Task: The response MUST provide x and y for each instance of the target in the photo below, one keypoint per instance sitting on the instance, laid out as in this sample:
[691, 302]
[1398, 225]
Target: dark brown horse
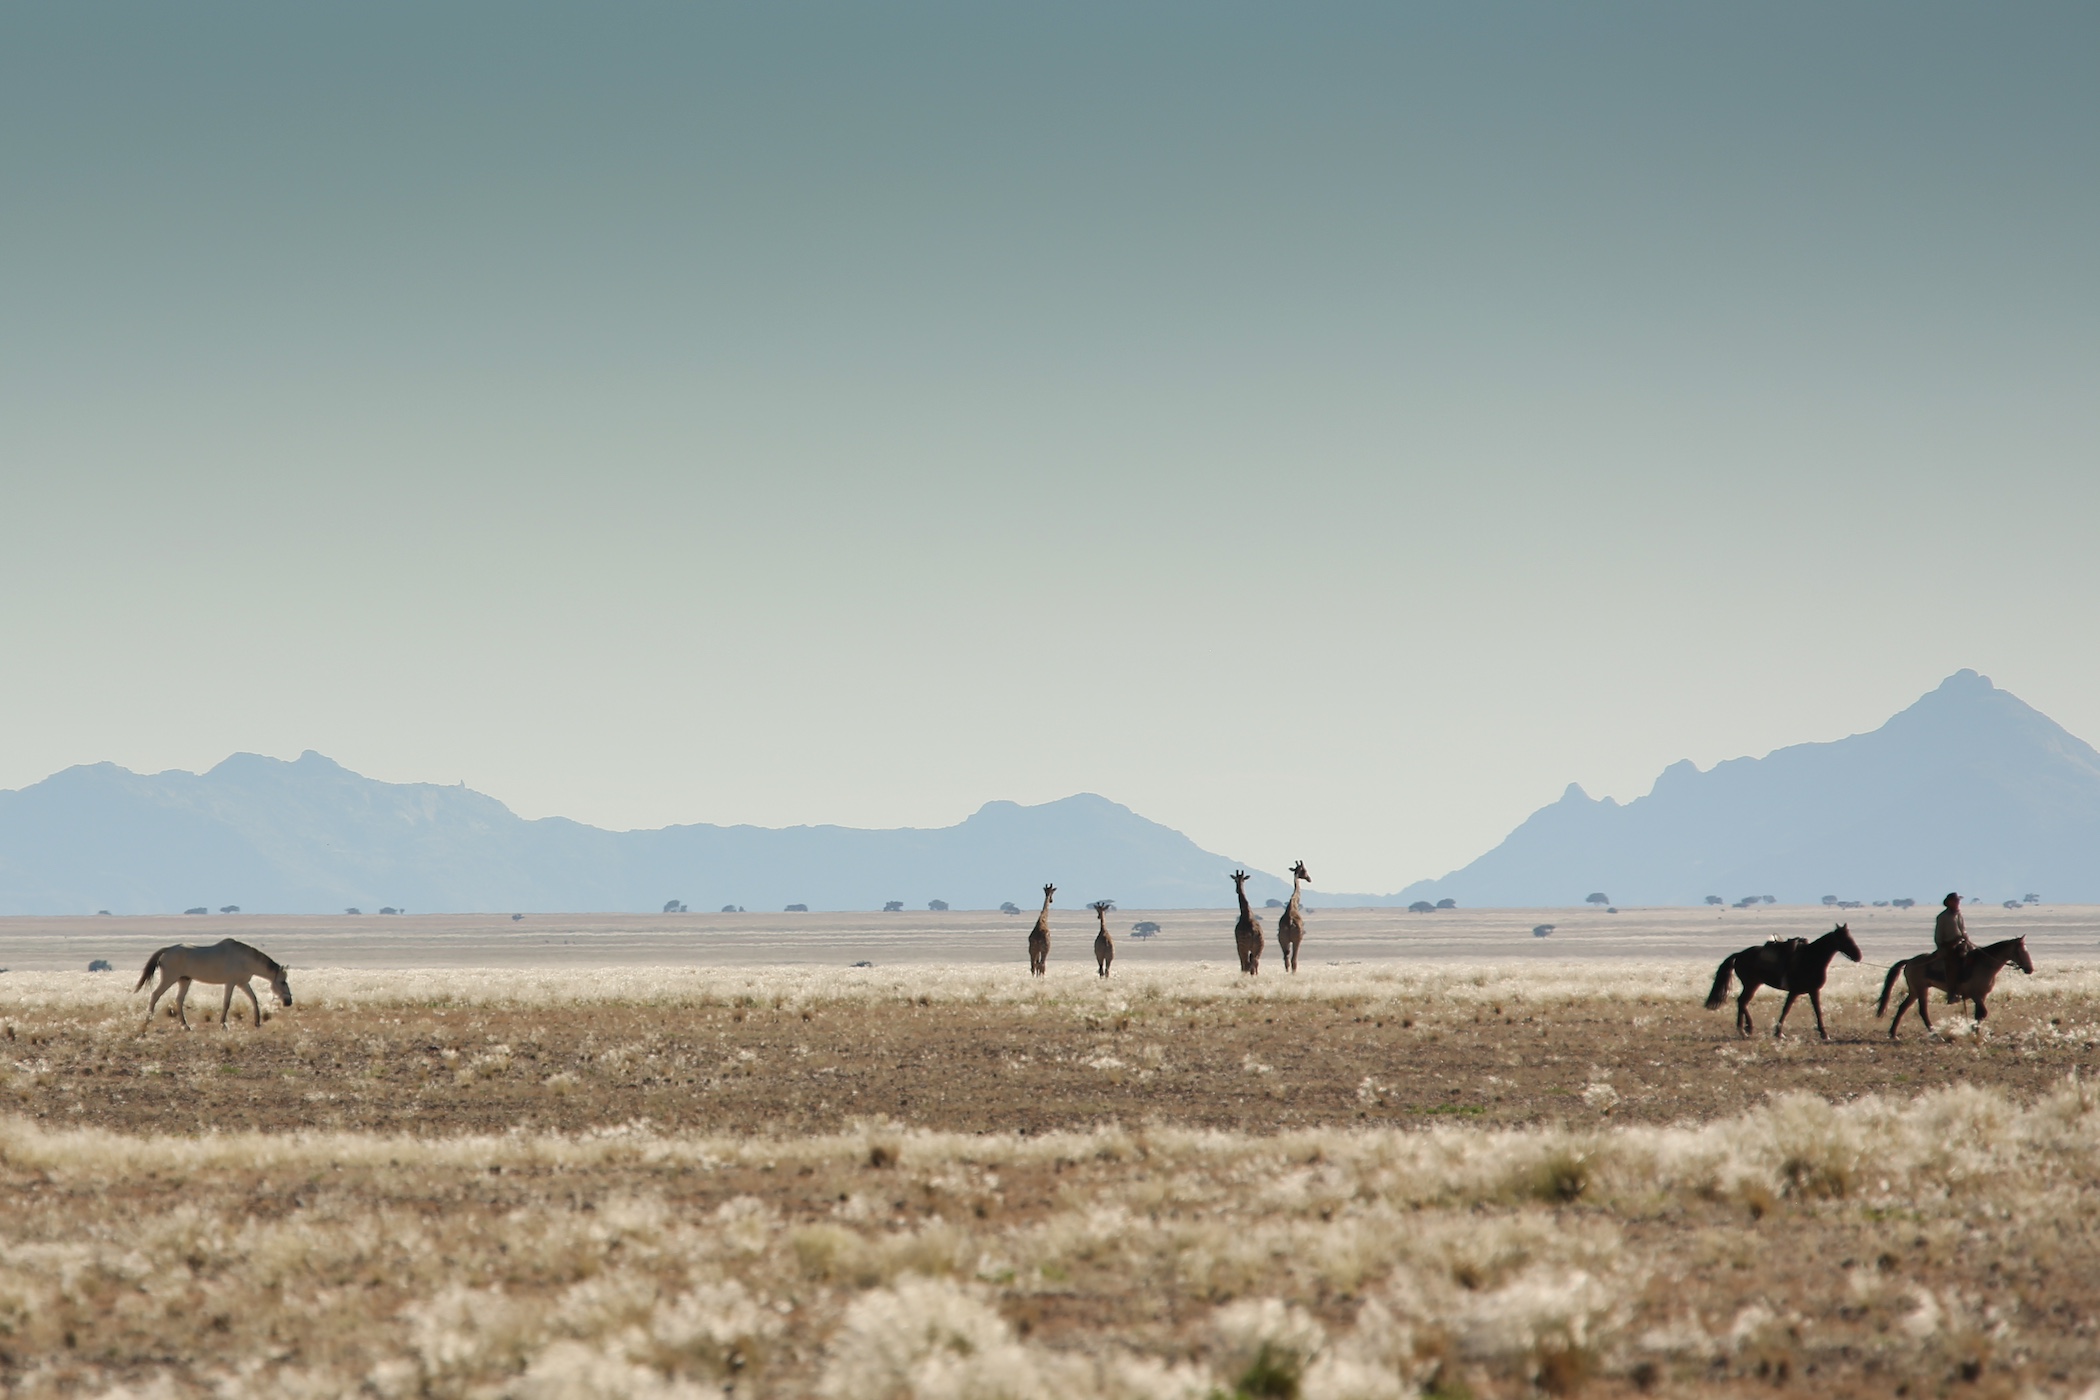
[1928, 970]
[1794, 966]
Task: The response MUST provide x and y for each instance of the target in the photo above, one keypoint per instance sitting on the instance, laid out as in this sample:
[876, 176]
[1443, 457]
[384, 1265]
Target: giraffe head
[1239, 880]
[1048, 892]
[1298, 873]
[1101, 908]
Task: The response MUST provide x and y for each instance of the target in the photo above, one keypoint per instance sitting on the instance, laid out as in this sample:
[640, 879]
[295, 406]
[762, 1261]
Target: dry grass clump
[1873, 1244]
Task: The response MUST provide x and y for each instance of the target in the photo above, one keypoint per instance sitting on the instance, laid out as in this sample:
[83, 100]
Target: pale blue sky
[1329, 430]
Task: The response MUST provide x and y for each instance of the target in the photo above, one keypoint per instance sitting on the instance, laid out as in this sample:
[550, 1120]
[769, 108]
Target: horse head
[1842, 937]
[2019, 955]
[279, 983]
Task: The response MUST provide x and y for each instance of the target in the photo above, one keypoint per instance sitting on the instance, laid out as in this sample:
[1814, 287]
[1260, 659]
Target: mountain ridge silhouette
[310, 836]
[1969, 789]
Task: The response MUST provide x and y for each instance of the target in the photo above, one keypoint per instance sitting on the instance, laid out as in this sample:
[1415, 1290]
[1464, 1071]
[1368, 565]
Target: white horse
[228, 962]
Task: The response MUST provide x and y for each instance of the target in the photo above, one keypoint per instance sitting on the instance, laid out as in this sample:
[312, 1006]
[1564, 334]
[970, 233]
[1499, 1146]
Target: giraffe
[1104, 946]
[1039, 936]
[1290, 924]
[1246, 934]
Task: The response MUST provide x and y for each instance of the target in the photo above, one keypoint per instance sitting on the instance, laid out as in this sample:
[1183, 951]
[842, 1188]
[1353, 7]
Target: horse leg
[1981, 1010]
[158, 992]
[226, 1007]
[253, 1005]
[182, 996]
[1815, 1001]
[1901, 1007]
[1743, 1024]
[1779, 1026]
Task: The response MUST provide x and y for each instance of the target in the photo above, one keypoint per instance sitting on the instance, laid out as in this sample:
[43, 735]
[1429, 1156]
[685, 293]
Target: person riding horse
[1950, 935]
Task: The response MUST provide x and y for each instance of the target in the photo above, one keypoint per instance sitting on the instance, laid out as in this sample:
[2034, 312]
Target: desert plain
[707, 1155]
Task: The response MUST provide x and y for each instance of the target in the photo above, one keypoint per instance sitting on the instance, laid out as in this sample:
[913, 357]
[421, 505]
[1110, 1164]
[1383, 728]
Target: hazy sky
[1329, 430]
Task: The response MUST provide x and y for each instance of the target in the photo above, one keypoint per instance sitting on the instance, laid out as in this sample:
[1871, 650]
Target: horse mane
[276, 967]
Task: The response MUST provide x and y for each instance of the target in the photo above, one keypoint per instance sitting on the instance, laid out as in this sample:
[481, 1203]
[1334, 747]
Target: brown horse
[1795, 966]
[1929, 970]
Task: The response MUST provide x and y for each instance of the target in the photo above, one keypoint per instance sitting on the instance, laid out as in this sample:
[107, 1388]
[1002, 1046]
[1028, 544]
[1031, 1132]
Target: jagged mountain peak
[1967, 784]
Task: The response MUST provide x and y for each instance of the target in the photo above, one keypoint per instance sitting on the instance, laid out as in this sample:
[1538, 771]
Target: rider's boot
[1955, 968]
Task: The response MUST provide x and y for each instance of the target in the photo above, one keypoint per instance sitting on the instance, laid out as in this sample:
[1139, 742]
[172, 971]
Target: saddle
[1789, 950]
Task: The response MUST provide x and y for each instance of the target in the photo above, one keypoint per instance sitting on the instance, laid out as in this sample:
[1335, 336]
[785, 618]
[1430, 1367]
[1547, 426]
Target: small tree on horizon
[1598, 898]
[1715, 899]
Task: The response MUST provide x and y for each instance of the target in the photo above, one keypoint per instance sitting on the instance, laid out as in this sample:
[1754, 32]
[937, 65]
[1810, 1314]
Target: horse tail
[1882, 1007]
[1721, 975]
[152, 966]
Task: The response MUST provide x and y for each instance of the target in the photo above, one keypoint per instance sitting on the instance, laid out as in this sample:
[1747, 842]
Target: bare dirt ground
[1088, 1059]
[1487, 1179]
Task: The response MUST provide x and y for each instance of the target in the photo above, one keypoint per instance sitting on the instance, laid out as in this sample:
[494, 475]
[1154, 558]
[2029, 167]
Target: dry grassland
[1365, 1182]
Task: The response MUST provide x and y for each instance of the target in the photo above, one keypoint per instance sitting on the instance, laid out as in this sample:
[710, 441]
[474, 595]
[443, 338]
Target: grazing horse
[1794, 967]
[228, 962]
[1921, 974]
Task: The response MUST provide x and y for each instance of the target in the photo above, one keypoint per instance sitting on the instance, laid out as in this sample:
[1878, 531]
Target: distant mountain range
[310, 836]
[1969, 789]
